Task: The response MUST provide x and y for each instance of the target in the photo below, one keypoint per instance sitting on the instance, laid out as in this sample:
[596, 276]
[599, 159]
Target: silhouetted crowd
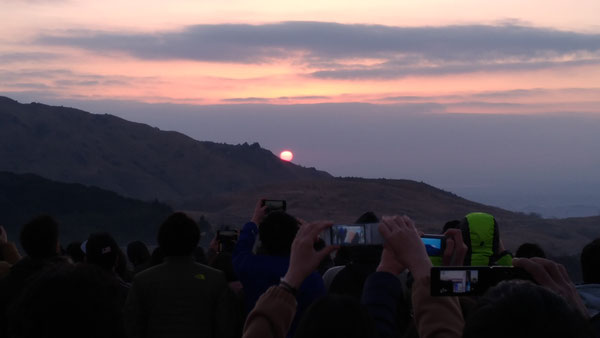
[279, 277]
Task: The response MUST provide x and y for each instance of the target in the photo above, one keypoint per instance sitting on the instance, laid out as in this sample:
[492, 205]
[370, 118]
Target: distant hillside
[80, 210]
[132, 159]
[343, 200]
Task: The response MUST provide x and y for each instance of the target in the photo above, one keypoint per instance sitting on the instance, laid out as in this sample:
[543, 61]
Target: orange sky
[290, 75]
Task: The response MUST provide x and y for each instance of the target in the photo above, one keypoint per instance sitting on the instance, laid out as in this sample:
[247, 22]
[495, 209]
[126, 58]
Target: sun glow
[286, 155]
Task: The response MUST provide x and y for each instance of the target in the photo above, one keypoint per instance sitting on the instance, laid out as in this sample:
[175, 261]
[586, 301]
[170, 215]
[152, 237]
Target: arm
[243, 248]
[274, 311]
[272, 315]
[435, 317]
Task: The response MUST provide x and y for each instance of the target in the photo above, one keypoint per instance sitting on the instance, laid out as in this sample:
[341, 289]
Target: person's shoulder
[208, 270]
[148, 273]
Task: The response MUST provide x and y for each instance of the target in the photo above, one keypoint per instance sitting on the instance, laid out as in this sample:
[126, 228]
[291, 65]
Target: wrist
[293, 279]
[421, 269]
[288, 287]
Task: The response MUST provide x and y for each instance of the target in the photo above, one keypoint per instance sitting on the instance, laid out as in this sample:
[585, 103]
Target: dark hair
[529, 250]
[101, 249]
[74, 251]
[367, 217]
[590, 262]
[336, 316]
[68, 301]
[522, 309]
[178, 235]
[277, 232]
[455, 224]
[137, 253]
[39, 237]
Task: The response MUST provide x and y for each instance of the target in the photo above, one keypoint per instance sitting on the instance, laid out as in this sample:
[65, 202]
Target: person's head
[523, 309]
[74, 251]
[590, 262]
[68, 301]
[367, 217]
[39, 237]
[529, 250]
[336, 316]
[138, 253]
[178, 235]
[454, 224]
[102, 250]
[277, 232]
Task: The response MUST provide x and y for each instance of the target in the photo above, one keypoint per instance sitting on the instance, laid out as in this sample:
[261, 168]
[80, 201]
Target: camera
[227, 239]
[275, 205]
[471, 280]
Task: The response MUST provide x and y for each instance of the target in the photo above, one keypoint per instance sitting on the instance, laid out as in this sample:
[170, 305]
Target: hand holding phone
[275, 205]
[435, 245]
[348, 234]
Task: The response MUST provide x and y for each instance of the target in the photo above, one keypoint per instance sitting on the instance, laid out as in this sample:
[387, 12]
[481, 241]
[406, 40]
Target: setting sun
[286, 155]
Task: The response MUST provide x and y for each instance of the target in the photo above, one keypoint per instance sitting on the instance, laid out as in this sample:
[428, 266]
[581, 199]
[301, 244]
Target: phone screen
[434, 244]
[274, 205]
[471, 280]
[459, 282]
[354, 234]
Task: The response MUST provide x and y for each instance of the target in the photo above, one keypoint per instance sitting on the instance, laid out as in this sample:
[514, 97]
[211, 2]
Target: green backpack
[480, 234]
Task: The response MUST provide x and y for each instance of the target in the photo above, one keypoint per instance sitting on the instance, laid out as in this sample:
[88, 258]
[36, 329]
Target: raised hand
[456, 249]
[260, 212]
[304, 258]
[401, 237]
[553, 276]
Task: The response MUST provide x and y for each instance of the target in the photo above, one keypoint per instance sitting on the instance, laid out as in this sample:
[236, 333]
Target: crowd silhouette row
[278, 277]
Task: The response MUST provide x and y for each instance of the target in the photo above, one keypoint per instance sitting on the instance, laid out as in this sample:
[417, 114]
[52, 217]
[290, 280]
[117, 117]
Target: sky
[277, 71]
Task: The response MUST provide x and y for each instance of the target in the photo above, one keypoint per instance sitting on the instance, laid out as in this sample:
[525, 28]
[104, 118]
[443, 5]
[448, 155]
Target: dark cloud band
[402, 50]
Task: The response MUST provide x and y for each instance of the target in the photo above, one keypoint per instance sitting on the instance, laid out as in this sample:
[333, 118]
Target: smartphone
[227, 239]
[434, 244]
[471, 280]
[348, 234]
[275, 205]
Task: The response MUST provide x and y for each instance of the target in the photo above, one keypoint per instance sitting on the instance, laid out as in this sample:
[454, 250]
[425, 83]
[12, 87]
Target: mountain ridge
[133, 159]
[224, 181]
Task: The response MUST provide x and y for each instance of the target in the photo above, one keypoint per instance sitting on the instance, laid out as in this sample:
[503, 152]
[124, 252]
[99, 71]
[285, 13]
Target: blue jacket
[259, 272]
